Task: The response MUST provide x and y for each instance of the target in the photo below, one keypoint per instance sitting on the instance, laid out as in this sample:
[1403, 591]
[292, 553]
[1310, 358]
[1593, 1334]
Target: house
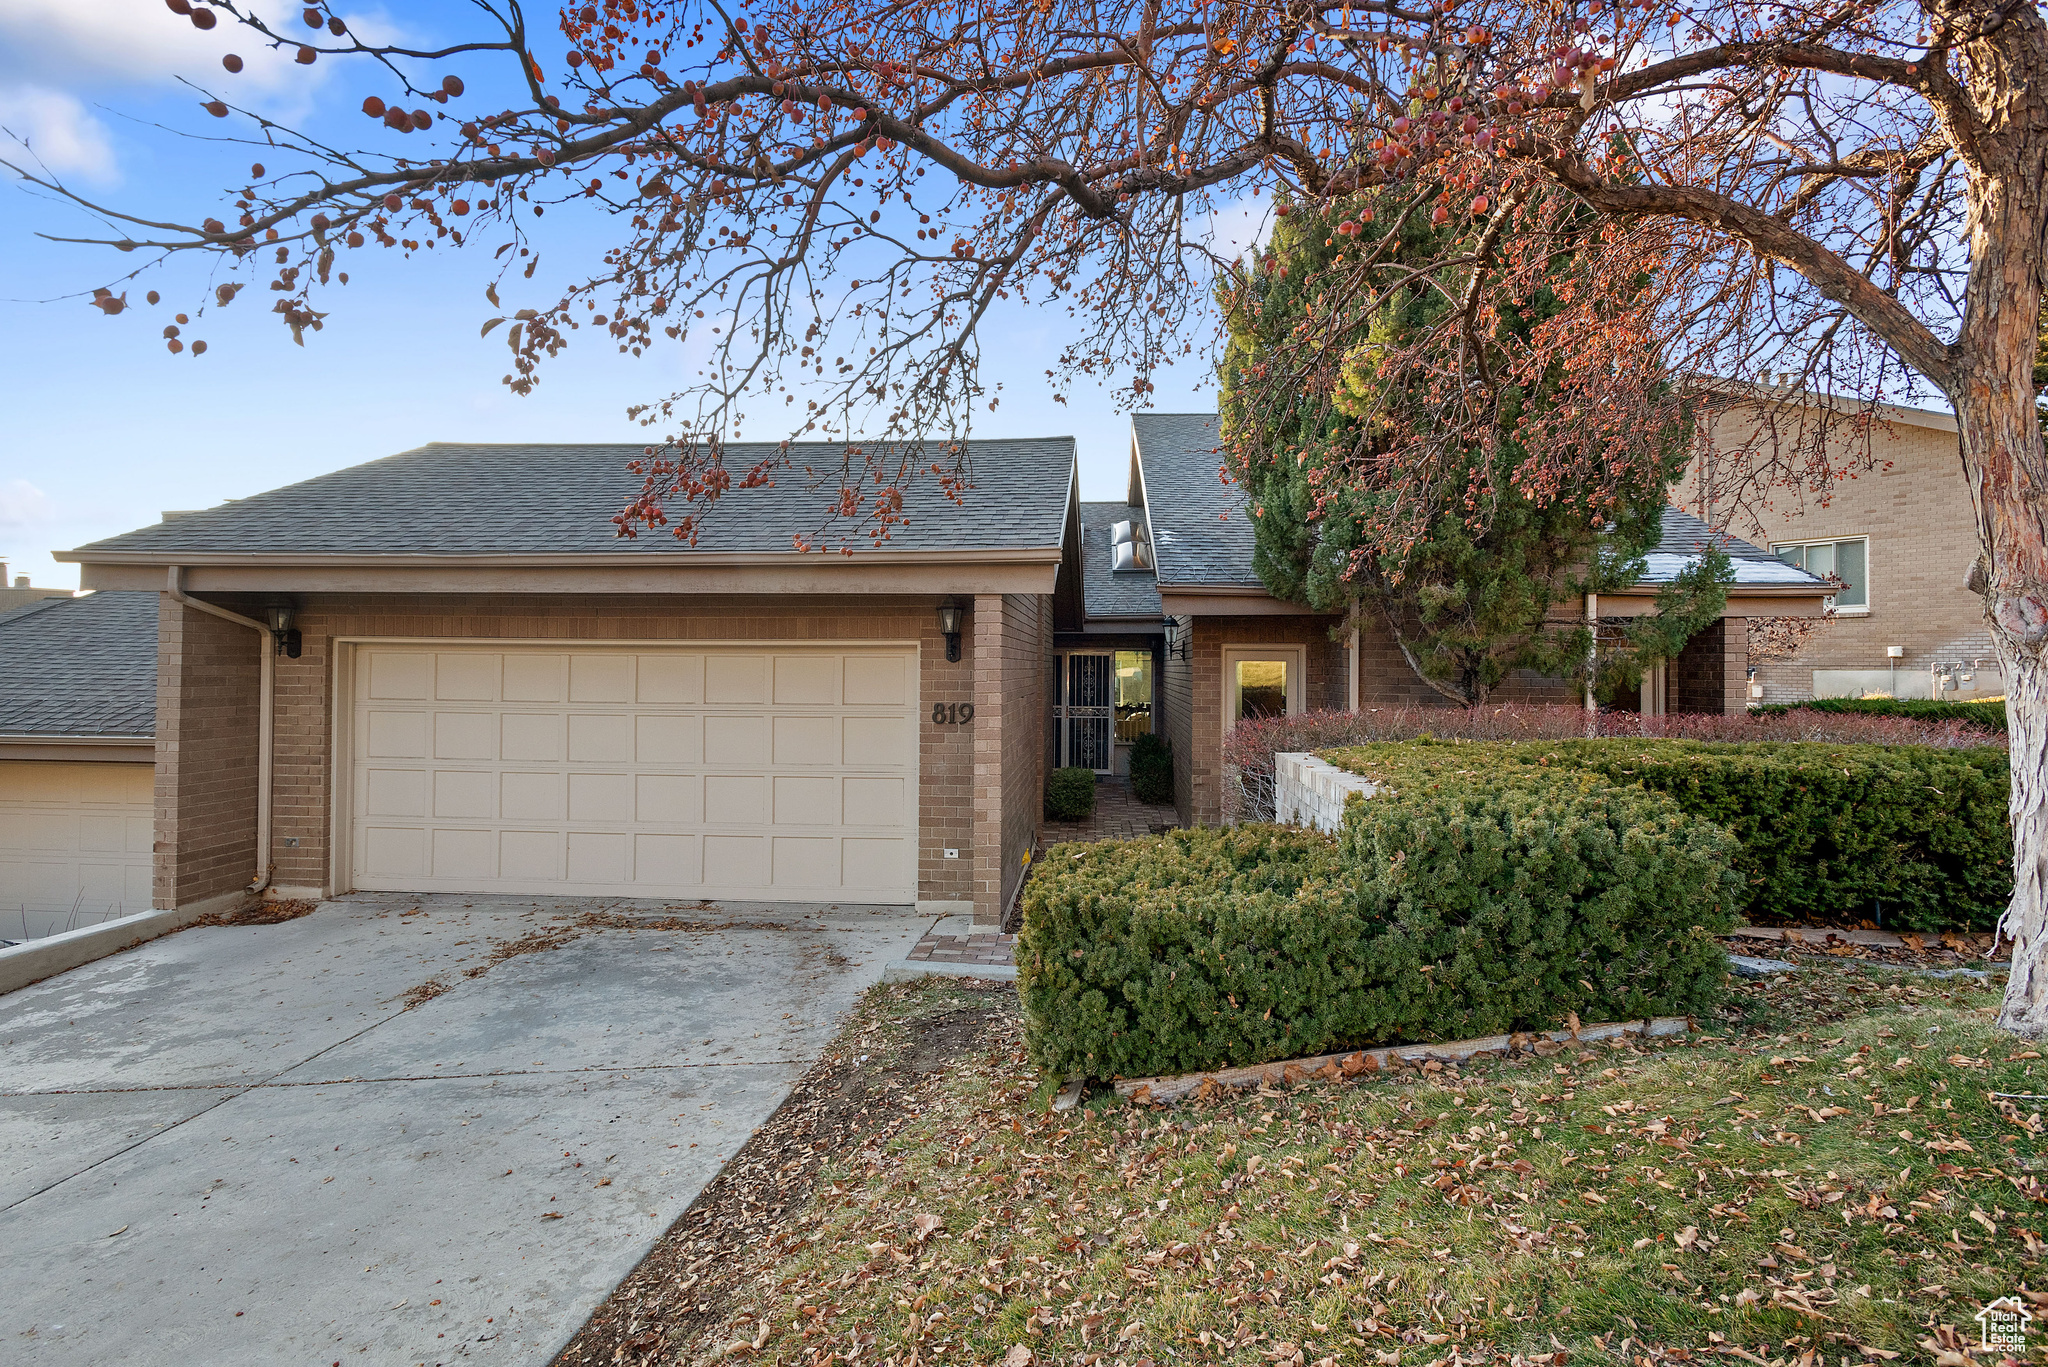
[77, 761]
[1898, 532]
[442, 671]
[1234, 651]
[20, 592]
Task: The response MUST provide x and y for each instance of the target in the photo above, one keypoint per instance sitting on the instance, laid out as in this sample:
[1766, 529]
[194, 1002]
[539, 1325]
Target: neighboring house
[468, 683]
[22, 592]
[1900, 537]
[77, 761]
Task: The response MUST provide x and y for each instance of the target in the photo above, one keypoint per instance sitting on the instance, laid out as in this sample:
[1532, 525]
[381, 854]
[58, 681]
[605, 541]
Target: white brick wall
[1308, 792]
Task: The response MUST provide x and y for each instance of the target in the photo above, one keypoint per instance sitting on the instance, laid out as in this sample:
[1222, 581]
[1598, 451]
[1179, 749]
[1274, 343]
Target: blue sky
[106, 429]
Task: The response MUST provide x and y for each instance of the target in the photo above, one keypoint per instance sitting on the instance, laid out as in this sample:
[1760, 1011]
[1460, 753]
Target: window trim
[1862, 610]
[1296, 656]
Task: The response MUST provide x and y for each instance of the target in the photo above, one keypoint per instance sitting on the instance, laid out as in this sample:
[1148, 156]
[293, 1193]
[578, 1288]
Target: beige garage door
[74, 844]
[760, 772]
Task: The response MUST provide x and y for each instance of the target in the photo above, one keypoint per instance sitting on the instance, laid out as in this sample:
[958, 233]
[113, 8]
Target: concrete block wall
[305, 725]
[207, 681]
[1311, 792]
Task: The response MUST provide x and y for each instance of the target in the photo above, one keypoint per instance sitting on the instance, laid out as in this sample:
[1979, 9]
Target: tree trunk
[2026, 918]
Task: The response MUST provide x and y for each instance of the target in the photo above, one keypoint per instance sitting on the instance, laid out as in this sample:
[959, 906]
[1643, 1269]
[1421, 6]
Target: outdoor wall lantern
[1176, 638]
[949, 622]
[287, 637]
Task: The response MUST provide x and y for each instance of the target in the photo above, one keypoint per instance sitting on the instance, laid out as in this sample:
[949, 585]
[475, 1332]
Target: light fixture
[949, 623]
[286, 636]
[1176, 638]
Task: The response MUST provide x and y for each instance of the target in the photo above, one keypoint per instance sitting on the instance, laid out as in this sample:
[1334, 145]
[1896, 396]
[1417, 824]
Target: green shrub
[1070, 794]
[1986, 714]
[1829, 832]
[1465, 903]
[1151, 769]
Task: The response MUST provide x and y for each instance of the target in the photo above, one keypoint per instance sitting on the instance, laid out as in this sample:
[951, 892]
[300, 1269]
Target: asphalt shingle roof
[1200, 530]
[1204, 535]
[80, 666]
[1683, 537]
[1108, 593]
[449, 498]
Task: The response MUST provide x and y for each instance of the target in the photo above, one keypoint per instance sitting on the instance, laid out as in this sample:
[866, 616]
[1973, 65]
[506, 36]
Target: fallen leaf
[1018, 1356]
[551, 1215]
[928, 1225]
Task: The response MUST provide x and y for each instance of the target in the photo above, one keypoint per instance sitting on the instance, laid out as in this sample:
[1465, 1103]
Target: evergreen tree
[1485, 576]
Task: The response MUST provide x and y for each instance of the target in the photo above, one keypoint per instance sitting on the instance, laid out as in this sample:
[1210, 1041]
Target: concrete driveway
[275, 1144]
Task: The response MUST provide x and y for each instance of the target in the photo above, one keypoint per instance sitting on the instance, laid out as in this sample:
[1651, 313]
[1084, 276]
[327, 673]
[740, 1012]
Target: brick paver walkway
[1117, 816]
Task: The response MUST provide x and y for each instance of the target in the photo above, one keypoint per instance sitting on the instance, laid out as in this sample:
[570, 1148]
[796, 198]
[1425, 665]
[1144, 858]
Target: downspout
[1592, 660]
[266, 687]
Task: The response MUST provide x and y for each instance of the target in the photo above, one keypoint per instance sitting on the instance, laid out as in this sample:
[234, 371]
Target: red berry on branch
[215, 108]
[373, 106]
[232, 63]
[202, 19]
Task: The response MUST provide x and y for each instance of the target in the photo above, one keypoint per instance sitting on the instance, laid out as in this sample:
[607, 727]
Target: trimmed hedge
[1151, 769]
[1828, 832]
[1070, 794]
[1985, 714]
[1465, 903]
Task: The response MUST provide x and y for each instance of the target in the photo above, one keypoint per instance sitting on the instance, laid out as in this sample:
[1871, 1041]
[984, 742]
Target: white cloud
[57, 130]
[22, 505]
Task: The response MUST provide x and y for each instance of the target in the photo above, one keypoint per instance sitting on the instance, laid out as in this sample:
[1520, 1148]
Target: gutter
[182, 559]
[265, 723]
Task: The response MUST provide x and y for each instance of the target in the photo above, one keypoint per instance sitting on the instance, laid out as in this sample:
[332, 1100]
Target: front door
[1085, 709]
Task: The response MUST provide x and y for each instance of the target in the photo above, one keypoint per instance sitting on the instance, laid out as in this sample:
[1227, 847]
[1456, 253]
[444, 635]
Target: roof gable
[1201, 531]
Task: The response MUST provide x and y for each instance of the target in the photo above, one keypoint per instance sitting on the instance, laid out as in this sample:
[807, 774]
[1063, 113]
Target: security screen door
[1086, 708]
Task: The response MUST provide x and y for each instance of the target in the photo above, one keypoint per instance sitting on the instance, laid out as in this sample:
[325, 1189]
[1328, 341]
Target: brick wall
[1027, 645]
[1916, 511]
[304, 774]
[1711, 673]
[206, 755]
[1324, 688]
[1176, 701]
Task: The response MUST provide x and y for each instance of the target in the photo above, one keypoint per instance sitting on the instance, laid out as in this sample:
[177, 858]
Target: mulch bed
[849, 1101]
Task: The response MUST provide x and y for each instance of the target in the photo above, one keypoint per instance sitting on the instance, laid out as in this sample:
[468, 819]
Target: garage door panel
[603, 738]
[668, 740]
[875, 742]
[400, 674]
[806, 800]
[102, 833]
[531, 736]
[600, 678]
[801, 679]
[395, 735]
[462, 795]
[392, 852]
[726, 771]
[601, 798]
[598, 857]
[873, 802]
[533, 678]
[466, 735]
[735, 800]
[666, 861]
[75, 841]
[878, 681]
[668, 799]
[669, 678]
[464, 854]
[806, 740]
[463, 677]
[736, 679]
[530, 856]
[869, 862]
[395, 792]
[141, 840]
[737, 861]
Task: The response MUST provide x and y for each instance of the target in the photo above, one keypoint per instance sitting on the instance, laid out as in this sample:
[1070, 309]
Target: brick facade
[206, 755]
[215, 846]
[1711, 673]
[1012, 641]
[1915, 510]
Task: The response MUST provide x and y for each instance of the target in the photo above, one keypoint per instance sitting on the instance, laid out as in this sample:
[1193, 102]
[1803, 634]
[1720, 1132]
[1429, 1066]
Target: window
[1848, 561]
[1133, 694]
[1262, 681]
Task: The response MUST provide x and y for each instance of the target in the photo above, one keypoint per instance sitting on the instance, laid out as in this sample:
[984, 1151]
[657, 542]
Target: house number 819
[952, 713]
